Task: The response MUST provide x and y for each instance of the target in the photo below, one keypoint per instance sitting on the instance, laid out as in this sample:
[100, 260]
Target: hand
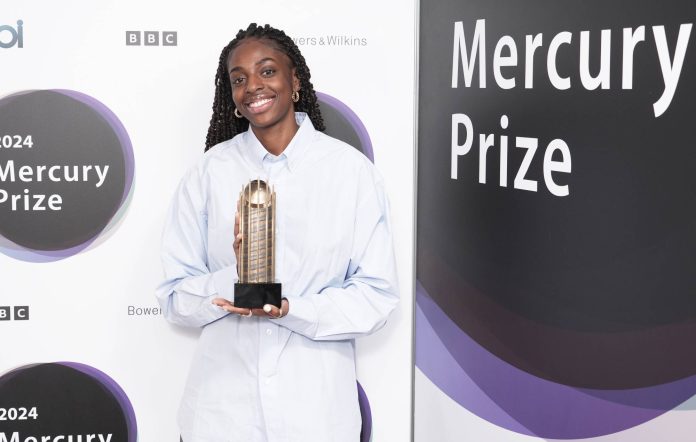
[275, 312]
[237, 237]
[268, 311]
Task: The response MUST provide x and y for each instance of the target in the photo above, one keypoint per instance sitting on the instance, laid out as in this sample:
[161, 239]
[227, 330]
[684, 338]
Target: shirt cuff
[301, 317]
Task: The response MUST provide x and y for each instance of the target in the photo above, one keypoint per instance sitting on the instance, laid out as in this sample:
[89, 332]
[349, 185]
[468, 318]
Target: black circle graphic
[66, 399]
[63, 169]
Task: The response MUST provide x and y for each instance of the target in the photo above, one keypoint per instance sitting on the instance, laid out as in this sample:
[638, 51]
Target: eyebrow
[263, 60]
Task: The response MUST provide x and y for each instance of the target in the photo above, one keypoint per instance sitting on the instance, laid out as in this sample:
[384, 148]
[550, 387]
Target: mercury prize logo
[66, 173]
[64, 401]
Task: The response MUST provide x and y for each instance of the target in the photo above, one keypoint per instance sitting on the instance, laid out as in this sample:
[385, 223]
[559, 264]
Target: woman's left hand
[269, 311]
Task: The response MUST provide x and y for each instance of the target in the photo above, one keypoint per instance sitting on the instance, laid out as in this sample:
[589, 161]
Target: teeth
[259, 103]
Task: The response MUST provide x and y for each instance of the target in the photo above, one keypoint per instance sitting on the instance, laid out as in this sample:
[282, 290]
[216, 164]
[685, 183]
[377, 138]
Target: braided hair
[223, 124]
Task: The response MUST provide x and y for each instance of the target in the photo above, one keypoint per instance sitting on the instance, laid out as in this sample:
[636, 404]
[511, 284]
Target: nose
[254, 83]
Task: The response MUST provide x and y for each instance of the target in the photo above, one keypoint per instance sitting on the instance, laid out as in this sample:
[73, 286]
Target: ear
[296, 86]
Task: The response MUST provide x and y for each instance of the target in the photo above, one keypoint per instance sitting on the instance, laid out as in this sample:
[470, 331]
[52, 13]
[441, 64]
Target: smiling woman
[276, 373]
[224, 123]
[264, 85]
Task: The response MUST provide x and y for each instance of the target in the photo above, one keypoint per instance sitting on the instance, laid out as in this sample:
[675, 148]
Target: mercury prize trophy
[256, 266]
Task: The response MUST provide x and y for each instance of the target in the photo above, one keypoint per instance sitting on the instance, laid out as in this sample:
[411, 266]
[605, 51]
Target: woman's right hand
[237, 237]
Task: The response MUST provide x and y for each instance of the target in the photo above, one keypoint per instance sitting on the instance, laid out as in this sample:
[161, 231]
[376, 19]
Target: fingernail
[267, 308]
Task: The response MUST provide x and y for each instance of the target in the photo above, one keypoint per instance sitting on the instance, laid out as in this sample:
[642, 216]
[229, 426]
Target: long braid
[223, 124]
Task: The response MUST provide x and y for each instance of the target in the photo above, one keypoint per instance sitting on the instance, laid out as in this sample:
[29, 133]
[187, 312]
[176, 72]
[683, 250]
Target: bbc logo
[18, 313]
[151, 38]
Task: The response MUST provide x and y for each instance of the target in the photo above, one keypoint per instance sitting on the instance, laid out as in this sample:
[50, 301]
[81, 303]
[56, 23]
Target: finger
[236, 222]
[221, 302]
[229, 307]
[238, 310]
[272, 311]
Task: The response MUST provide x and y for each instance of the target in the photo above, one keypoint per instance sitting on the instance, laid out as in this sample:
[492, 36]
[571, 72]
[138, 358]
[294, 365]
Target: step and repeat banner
[556, 223]
[103, 108]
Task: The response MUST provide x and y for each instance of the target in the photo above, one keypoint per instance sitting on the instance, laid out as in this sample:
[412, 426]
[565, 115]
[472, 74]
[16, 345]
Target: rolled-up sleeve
[189, 287]
[361, 305]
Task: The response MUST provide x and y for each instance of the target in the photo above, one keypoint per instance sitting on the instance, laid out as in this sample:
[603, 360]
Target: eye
[268, 72]
[236, 81]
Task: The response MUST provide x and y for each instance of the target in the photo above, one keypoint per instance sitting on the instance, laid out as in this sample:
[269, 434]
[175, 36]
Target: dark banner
[556, 209]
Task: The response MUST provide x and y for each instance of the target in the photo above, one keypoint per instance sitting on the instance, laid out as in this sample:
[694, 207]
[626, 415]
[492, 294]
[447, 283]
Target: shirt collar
[293, 151]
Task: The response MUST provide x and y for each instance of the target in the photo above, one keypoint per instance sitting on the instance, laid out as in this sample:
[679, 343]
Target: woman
[275, 374]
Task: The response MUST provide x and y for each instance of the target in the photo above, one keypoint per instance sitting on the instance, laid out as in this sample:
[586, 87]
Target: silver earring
[236, 113]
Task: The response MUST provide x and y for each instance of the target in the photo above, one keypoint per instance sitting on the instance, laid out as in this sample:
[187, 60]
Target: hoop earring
[295, 96]
[236, 113]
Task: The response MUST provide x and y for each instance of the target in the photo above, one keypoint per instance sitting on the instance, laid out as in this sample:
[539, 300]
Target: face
[262, 80]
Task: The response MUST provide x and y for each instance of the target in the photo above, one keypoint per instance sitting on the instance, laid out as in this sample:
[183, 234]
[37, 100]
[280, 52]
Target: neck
[275, 139]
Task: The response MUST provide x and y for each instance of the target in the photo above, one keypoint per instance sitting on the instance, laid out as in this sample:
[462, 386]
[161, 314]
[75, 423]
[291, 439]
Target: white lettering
[25, 174]
[555, 166]
[460, 149]
[55, 202]
[74, 177]
[8, 171]
[556, 80]
[474, 57]
[503, 152]
[51, 173]
[630, 39]
[531, 145]
[502, 61]
[531, 45]
[101, 174]
[478, 48]
[15, 435]
[38, 199]
[671, 70]
[485, 142]
[39, 172]
[603, 77]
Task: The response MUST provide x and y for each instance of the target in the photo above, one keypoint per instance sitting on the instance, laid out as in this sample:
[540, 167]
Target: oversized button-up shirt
[291, 379]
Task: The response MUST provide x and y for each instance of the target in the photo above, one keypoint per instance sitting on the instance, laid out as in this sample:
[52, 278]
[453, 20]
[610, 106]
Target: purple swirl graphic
[514, 399]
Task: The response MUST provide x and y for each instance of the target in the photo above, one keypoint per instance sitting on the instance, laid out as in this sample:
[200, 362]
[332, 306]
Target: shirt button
[269, 332]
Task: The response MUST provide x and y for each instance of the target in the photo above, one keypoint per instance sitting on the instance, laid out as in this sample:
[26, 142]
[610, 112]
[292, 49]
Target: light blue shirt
[291, 379]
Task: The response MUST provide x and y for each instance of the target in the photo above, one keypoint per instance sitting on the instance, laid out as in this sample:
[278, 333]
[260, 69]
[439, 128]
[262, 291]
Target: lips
[259, 104]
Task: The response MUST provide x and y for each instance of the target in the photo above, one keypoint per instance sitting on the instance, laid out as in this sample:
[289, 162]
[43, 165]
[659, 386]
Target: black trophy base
[256, 295]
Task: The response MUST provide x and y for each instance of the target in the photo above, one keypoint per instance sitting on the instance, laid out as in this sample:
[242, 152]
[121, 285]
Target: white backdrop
[163, 95]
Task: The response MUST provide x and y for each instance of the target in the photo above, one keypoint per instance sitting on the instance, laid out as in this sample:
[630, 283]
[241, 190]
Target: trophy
[256, 266]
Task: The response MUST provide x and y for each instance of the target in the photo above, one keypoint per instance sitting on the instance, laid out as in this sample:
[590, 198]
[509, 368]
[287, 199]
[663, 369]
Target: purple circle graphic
[66, 173]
